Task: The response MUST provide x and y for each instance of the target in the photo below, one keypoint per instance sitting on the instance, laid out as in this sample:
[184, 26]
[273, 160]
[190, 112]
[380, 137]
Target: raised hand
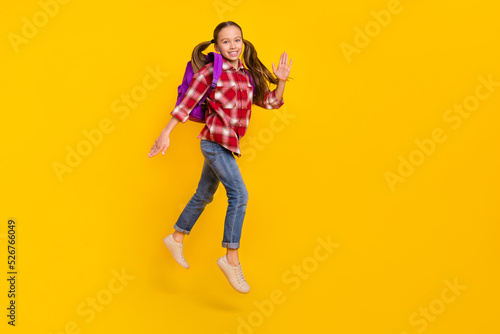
[283, 69]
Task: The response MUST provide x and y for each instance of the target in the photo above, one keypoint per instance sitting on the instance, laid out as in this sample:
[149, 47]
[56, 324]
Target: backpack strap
[216, 58]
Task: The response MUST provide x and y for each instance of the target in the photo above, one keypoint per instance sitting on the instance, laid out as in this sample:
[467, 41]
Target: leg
[232, 256]
[178, 236]
[204, 195]
[225, 167]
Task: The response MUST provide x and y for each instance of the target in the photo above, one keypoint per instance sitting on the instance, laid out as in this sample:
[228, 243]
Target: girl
[227, 118]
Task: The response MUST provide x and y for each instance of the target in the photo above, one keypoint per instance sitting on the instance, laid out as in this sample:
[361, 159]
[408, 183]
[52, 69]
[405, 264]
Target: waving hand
[283, 69]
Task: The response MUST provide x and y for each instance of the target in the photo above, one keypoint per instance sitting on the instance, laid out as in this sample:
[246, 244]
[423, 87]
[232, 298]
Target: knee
[206, 196]
[208, 199]
[243, 194]
[238, 195]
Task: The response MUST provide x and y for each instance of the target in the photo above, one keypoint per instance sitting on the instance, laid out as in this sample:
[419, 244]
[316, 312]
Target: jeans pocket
[208, 150]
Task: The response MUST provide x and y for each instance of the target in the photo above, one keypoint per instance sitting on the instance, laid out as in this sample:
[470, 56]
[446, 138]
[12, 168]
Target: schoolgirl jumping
[226, 121]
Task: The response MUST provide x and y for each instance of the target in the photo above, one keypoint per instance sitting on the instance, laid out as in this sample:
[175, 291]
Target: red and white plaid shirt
[229, 104]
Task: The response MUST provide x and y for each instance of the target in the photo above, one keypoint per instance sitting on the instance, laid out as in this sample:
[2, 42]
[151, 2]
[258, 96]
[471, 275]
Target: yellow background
[320, 173]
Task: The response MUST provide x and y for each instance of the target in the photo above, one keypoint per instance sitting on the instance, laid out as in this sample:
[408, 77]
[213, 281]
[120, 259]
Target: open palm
[283, 69]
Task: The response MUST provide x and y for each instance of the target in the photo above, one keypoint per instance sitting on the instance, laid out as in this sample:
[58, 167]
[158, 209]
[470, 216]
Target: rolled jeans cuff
[231, 244]
[178, 229]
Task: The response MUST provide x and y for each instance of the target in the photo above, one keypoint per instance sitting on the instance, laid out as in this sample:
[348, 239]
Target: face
[230, 43]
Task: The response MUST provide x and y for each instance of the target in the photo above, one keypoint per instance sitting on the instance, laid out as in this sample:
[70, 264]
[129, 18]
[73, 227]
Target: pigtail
[198, 58]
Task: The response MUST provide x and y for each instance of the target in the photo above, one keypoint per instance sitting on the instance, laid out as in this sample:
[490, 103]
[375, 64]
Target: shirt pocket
[225, 94]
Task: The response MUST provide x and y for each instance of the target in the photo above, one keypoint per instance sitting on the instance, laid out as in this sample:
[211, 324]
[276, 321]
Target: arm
[274, 99]
[170, 125]
[195, 92]
[280, 90]
[197, 88]
[270, 100]
[163, 141]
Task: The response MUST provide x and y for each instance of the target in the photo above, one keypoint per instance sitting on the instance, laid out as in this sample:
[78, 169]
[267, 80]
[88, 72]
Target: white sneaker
[176, 248]
[234, 275]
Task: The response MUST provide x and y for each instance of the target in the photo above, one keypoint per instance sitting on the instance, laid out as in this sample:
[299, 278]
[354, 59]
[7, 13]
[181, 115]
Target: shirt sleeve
[270, 101]
[194, 93]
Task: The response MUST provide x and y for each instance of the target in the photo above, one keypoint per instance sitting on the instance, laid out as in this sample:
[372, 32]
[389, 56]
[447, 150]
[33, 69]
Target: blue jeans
[219, 166]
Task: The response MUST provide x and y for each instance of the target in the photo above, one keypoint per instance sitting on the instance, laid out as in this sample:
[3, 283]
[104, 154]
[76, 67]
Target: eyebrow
[228, 38]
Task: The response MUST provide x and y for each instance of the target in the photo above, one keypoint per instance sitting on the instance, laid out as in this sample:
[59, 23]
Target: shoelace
[181, 248]
[239, 274]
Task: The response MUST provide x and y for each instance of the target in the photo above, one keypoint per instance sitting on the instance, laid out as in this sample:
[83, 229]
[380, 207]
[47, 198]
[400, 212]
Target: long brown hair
[260, 74]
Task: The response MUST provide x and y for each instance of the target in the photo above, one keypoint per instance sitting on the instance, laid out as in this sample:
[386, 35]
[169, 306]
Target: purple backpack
[198, 112]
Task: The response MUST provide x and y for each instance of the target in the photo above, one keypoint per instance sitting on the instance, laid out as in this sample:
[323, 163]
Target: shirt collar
[226, 65]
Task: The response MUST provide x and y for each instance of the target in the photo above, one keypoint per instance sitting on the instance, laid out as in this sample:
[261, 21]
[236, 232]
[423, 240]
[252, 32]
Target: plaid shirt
[229, 104]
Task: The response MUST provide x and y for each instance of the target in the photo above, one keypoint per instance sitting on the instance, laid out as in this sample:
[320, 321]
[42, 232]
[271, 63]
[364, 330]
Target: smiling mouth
[233, 53]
